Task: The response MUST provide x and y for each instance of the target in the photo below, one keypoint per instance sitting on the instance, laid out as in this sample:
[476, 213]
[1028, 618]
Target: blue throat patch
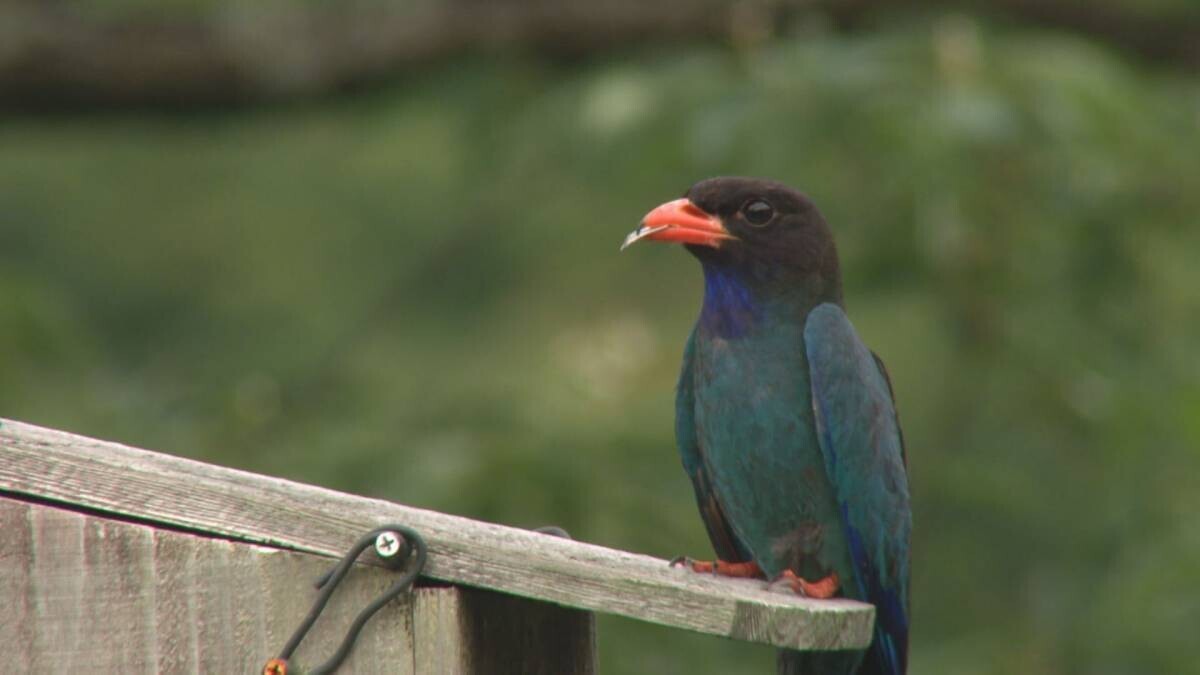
[730, 309]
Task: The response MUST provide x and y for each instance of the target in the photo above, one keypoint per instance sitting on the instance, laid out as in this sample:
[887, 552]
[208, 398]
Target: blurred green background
[410, 288]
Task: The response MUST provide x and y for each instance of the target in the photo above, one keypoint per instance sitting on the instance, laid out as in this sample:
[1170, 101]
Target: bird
[785, 421]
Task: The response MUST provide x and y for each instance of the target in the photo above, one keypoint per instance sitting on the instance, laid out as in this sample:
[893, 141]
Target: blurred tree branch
[221, 51]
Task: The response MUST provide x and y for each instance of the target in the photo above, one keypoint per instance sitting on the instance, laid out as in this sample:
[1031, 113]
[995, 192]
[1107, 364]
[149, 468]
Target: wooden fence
[115, 559]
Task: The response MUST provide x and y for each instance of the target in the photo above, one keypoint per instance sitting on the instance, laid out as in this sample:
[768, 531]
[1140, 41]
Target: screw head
[387, 544]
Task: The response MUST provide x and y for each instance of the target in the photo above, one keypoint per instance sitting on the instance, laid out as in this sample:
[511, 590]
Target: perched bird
[784, 419]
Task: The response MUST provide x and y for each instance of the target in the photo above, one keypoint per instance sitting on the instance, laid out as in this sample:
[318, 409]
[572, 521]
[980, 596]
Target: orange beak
[682, 222]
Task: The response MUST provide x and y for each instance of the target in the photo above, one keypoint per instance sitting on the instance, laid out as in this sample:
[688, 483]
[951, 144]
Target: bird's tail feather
[791, 662]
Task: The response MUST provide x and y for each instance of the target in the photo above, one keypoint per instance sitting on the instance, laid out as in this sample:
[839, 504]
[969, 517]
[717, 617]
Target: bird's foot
[820, 589]
[745, 570]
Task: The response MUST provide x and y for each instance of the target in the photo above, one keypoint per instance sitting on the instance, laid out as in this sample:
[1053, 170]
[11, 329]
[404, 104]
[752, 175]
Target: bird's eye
[758, 212]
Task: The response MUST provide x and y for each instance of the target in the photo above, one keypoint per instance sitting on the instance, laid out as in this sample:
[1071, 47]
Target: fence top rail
[129, 483]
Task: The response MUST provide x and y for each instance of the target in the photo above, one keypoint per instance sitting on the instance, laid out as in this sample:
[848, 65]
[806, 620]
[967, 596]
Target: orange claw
[744, 570]
[820, 589]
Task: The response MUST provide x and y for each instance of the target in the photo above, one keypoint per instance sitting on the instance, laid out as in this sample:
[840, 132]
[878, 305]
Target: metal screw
[387, 544]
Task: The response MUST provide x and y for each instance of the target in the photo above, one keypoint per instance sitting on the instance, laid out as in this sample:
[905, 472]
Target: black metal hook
[394, 551]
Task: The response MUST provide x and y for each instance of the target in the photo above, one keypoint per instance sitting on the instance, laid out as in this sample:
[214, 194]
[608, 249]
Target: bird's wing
[724, 541]
[859, 435]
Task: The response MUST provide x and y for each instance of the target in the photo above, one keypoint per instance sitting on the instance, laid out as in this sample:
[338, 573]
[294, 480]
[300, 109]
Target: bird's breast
[757, 434]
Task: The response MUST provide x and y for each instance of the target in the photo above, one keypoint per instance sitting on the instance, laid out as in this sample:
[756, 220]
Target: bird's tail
[791, 662]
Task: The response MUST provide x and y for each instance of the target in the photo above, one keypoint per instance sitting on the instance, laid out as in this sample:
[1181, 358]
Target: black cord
[413, 547]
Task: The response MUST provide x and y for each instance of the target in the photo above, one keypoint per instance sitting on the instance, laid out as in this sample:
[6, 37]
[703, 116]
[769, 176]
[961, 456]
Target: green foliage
[416, 294]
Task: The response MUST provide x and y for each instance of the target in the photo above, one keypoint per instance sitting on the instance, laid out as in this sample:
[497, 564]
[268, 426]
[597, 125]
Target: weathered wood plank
[18, 639]
[90, 595]
[438, 626]
[564, 640]
[160, 488]
[475, 631]
[84, 594]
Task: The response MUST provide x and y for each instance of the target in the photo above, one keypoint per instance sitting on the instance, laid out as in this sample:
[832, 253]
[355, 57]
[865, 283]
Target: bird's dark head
[759, 230]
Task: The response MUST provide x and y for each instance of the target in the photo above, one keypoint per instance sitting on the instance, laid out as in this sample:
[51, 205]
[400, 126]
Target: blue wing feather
[859, 435]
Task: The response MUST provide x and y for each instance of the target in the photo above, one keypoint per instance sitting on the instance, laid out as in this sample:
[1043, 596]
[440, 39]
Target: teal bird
[784, 419]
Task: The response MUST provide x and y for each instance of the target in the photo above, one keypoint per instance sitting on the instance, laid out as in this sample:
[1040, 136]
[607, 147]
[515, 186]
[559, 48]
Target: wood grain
[89, 595]
[476, 631]
[165, 490]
